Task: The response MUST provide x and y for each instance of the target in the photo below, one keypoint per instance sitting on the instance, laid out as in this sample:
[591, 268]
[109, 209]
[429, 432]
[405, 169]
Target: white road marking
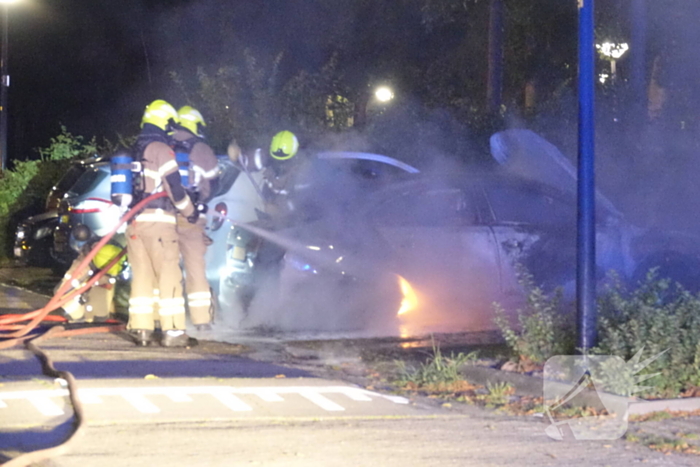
[88, 397]
[269, 396]
[179, 397]
[45, 405]
[321, 401]
[357, 395]
[227, 395]
[141, 403]
[232, 402]
[396, 399]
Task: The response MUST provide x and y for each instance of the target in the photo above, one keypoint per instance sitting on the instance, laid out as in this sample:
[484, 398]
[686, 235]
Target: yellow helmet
[190, 119]
[160, 114]
[284, 145]
[106, 254]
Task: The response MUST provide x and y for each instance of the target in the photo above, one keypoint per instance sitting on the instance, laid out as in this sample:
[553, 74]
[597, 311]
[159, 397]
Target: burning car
[433, 252]
[377, 247]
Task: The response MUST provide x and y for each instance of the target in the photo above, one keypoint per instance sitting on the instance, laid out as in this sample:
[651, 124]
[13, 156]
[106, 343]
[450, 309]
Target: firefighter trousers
[193, 243]
[156, 277]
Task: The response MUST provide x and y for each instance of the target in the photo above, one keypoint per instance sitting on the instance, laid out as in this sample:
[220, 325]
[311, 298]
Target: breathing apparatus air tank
[122, 178]
[183, 164]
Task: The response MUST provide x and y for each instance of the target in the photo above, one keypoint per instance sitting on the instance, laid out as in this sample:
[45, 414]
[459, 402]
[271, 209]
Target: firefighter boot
[177, 338]
[141, 337]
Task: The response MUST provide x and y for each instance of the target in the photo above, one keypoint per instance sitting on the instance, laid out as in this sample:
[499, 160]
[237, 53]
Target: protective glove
[198, 209]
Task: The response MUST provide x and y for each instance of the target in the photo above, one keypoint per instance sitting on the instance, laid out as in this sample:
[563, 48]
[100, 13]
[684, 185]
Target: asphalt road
[431, 440]
[224, 404]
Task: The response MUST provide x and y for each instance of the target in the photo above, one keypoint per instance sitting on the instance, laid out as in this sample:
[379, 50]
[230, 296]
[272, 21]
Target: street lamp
[384, 94]
[4, 84]
[613, 52]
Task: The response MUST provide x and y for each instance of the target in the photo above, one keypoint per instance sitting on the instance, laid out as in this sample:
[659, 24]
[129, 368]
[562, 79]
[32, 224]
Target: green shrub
[658, 317]
[438, 369]
[24, 188]
[545, 325]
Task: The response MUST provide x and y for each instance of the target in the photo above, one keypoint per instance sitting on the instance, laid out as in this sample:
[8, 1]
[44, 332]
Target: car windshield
[69, 179]
[87, 181]
[426, 207]
[526, 205]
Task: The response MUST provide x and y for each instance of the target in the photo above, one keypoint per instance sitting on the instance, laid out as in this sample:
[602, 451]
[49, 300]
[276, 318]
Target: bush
[658, 317]
[24, 188]
[545, 325]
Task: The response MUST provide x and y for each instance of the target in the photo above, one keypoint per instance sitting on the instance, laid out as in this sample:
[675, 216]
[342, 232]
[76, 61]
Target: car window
[87, 181]
[527, 205]
[438, 207]
[69, 179]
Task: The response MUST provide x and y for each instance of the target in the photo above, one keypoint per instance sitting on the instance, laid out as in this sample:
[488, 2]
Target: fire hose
[12, 333]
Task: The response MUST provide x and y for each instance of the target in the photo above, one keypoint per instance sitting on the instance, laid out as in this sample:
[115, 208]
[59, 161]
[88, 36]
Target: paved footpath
[227, 404]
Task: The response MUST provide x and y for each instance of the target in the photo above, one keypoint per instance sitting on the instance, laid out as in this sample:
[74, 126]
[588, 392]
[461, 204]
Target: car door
[535, 229]
[439, 245]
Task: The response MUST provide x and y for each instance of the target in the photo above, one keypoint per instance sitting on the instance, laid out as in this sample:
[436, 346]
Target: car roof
[479, 178]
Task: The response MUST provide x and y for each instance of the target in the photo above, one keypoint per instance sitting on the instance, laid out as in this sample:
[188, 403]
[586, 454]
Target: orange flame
[410, 299]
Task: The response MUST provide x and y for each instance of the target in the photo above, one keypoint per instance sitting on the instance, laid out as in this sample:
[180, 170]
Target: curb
[526, 385]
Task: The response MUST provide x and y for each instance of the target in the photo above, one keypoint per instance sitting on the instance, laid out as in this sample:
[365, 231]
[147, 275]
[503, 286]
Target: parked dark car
[85, 212]
[34, 236]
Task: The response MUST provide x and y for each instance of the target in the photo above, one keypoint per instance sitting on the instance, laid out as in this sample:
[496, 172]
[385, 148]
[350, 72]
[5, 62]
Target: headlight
[219, 216]
[20, 233]
[42, 232]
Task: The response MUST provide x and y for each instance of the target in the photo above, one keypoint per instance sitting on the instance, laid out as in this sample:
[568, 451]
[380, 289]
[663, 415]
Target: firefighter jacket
[202, 168]
[160, 173]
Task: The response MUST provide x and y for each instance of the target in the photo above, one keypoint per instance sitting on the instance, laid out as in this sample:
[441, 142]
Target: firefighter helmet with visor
[284, 145]
[160, 114]
[190, 119]
[105, 255]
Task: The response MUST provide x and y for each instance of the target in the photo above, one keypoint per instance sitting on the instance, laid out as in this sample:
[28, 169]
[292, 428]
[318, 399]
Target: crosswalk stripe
[140, 403]
[357, 395]
[322, 401]
[45, 405]
[179, 397]
[232, 402]
[89, 397]
[231, 396]
[269, 396]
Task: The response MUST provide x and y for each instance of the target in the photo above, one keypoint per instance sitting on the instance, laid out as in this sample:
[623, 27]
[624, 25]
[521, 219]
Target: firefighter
[97, 303]
[152, 237]
[199, 173]
[279, 175]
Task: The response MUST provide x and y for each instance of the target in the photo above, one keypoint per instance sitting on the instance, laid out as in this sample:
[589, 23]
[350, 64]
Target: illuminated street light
[4, 84]
[613, 52]
[384, 94]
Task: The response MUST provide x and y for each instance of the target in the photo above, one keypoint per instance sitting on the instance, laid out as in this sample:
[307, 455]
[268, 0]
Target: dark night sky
[84, 64]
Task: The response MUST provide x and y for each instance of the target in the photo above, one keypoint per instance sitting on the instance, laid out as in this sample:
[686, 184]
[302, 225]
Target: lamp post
[613, 52]
[384, 94]
[585, 235]
[4, 83]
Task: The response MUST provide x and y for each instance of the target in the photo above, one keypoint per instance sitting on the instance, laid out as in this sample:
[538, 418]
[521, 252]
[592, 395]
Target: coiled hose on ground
[13, 333]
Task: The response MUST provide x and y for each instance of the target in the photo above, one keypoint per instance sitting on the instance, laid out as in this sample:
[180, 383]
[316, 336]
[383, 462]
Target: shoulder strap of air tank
[186, 145]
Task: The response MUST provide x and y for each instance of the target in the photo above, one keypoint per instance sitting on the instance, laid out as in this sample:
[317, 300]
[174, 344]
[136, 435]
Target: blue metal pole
[4, 84]
[586, 267]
